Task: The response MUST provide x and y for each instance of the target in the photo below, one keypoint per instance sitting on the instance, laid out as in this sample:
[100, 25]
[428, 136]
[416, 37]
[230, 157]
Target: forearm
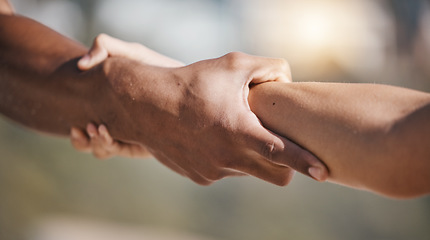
[40, 85]
[370, 136]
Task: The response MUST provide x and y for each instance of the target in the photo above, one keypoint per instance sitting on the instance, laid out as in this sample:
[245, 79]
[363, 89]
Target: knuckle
[269, 150]
[199, 179]
[213, 175]
[283, 64]
[235, 60]
[100, 38]
[285, 178]
[285, 154]
[284, 67]
[101, 41]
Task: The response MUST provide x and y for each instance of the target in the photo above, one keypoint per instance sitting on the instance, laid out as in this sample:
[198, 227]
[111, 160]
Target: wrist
[145, 98]
[110, 98]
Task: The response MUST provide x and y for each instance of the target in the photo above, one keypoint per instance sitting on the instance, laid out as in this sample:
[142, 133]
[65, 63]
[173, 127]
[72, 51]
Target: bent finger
[79, 140]
[269, 69]
[260, 69]
[97, 54]
[259, 167]
[120, 148]
[99, 147]
[282, 151]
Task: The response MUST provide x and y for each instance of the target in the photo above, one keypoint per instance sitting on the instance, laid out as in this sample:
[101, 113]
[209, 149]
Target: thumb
[96, 55]
[79, 140]
[284, 152]
[105, 46]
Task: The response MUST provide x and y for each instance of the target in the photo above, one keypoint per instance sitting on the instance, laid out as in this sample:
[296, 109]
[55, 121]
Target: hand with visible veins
[215, 110]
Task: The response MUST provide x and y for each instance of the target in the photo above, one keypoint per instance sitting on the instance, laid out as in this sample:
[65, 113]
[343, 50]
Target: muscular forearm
[370, 136]
[40, 85]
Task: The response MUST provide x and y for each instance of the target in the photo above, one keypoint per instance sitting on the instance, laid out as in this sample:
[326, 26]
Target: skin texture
[194, 119]
[372, 137]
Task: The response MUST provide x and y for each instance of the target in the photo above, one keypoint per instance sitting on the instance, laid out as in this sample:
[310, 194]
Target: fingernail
[91, 130]
[74, 133]
[84, 60]
[102, 129]
[103, 132]
[92, 133]
[316, 173]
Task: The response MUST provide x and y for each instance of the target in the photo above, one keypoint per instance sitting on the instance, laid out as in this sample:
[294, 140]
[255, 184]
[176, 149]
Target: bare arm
[40, 87]
[372, 137]
[39, 83]
[172, 111]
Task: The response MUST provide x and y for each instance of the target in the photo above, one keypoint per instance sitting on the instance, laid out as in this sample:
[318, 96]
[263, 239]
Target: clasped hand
[195, 119]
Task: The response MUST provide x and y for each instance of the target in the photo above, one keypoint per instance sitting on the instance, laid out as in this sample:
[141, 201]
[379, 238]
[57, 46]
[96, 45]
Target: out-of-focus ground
[48, 191]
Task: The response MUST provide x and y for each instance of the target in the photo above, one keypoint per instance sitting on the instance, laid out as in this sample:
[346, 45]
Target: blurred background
[50, 192]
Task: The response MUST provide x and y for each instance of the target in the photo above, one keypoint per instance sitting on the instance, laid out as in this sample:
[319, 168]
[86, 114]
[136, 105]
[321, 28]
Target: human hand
[101, 144]
[105, 46]
[215, 116]
[97, 139]
[216, 112]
